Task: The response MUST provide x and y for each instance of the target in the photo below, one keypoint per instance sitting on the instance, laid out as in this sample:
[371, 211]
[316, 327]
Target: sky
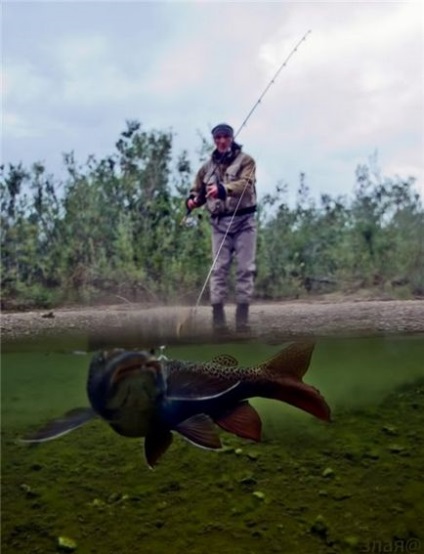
[75, 72]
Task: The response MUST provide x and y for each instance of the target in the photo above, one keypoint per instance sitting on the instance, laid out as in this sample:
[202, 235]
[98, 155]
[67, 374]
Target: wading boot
[218, 320]
[242, 316]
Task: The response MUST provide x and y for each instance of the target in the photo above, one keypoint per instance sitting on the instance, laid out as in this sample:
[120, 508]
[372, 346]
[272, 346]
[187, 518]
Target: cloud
[355, 84]
[23, 82]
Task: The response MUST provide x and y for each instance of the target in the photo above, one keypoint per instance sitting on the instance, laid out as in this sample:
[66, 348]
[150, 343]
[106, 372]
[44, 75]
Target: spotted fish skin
[197, 395]
[278, 378]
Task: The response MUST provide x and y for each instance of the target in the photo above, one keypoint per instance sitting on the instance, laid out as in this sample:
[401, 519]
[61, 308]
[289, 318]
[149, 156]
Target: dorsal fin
[292, 362]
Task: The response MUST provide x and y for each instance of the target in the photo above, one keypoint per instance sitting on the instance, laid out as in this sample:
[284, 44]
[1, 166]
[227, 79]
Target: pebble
[29, 492]
[253, 456]
[328, 472]
[396, 448]
[248, 480]
[226, 450]
[389, 430]
[66, 544]
[351, 541]
[341, 495]
[259, 495]
[319, 526]
[372, 453]
[97, 503]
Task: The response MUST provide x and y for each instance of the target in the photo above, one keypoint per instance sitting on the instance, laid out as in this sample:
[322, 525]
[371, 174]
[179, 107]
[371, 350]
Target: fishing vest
[242, 167]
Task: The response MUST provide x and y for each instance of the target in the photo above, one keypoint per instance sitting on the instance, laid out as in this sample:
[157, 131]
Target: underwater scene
[351, 484]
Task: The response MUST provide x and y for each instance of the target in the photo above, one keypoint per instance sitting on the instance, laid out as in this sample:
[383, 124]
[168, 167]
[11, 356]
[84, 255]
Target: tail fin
[282, 380]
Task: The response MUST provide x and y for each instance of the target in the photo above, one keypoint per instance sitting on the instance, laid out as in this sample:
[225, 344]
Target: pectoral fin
[200, 430]
[156, 444]
[61, 426]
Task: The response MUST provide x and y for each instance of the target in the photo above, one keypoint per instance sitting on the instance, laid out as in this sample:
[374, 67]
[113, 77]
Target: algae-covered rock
[117, 498]
[65, 544]
[396, 448]
[238, 451]
[328, 473]
[97, 503]
[227, 450]
[372, 453]
[248, 480]
[259, 495]
[389, 430]
[319, 526]
[252, 455]
[29, 492]
[351, 541]
[159, 523]
[341, 495]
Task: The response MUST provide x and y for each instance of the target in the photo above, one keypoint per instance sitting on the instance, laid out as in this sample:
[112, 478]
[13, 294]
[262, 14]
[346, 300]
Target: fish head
[124, 388]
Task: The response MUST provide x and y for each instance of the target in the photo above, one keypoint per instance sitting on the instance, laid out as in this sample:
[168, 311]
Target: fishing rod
[256, 104]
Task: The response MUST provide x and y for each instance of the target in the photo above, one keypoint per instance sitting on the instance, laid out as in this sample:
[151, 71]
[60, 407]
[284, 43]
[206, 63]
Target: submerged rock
[66, 544]
[227, 450]
[328, 472]
[252, 455]
[319, 526]
[97, 503]
[396, 448]
[259, 495]
[389, 429]
[351, 541]
[372, 453]
[341, 495]
[29, 492]
[248, 480]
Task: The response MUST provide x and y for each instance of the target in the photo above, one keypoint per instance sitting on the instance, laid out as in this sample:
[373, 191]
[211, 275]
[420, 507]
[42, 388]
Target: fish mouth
[132, 365]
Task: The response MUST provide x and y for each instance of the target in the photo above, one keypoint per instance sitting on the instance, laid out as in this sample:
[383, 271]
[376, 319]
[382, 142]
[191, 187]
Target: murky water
[355, 484]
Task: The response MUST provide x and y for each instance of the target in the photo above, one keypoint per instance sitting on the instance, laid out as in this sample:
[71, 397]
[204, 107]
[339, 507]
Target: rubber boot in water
[218, 319]
[242, 317]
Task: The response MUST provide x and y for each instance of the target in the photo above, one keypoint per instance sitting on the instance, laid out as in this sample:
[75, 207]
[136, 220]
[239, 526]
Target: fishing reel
[191, 221]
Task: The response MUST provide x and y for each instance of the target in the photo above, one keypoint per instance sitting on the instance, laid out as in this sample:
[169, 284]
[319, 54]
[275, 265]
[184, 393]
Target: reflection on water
[308, 487]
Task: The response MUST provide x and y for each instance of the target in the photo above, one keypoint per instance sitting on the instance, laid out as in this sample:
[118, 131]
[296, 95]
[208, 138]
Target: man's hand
[211, 191]
[191, 203]
[216, 191]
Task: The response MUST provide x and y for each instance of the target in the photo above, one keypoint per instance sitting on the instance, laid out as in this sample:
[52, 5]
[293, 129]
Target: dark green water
[350, 486]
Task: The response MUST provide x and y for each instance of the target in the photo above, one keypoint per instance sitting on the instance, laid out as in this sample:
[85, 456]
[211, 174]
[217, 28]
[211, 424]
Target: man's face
[223, 142]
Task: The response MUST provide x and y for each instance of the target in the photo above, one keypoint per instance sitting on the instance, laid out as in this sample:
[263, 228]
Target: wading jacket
[236, 172]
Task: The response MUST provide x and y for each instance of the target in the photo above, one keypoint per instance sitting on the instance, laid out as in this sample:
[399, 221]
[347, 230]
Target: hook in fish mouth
[132, 364]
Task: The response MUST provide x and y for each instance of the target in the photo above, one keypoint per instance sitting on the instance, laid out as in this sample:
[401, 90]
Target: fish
[140, 395]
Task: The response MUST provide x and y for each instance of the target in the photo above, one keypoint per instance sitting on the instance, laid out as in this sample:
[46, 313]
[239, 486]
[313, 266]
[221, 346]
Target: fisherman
[226, 184]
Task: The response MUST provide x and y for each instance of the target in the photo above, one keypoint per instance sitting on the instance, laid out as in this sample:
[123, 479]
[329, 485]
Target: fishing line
[249, 115]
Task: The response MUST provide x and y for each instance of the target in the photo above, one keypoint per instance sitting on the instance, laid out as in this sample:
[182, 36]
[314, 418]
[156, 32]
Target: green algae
[94, 487]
